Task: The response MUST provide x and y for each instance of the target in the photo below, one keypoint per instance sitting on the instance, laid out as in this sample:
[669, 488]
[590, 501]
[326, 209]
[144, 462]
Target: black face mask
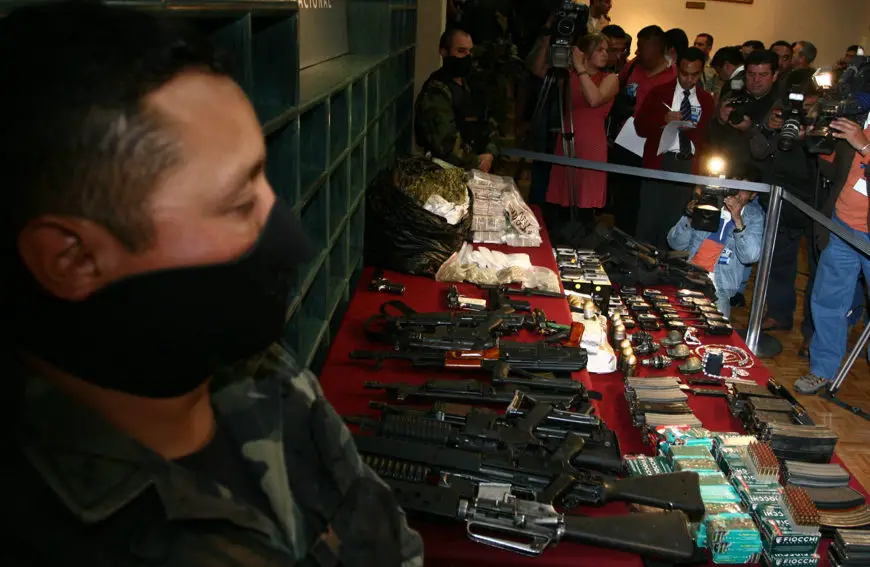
[457, 67]
[162, 334]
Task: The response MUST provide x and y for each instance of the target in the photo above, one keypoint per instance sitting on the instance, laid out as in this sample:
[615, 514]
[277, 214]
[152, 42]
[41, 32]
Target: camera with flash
[708, 210]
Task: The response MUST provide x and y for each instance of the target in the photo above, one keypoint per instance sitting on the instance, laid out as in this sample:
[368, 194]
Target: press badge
[861, 186]
[696, 114]
[725, 258]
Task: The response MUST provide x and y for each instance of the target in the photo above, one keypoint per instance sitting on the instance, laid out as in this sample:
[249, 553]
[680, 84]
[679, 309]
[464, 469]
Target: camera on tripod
[569, 23]
[708, 210]
[850, 98]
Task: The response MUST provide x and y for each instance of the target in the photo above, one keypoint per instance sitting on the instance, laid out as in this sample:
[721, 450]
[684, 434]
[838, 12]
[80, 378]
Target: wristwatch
[739, 230]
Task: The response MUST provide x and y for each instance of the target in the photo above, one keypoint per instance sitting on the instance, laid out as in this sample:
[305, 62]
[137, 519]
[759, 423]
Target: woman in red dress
[592, 94]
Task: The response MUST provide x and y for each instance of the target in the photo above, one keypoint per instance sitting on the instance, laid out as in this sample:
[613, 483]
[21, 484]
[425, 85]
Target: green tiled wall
[329, 130]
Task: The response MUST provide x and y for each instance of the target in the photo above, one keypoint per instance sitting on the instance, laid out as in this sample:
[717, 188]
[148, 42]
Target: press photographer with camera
[730, 71]
[840, 265]
[733, 243]
[451, 121]
[780, 157]
[739, 111]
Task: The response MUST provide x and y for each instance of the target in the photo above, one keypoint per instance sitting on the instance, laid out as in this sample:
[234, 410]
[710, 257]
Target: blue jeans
[747, 272]
[834, 290]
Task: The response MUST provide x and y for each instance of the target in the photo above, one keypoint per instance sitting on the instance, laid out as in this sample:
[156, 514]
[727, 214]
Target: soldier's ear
[443, 52]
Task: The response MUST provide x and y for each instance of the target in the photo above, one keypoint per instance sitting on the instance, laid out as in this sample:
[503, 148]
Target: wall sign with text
[322, 30]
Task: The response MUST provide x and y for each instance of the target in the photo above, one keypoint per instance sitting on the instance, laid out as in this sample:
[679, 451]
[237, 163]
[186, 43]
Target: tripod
[830, 393]
[559, 78]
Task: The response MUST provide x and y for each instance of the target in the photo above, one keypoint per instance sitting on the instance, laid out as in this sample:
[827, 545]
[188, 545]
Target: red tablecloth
[447, 544]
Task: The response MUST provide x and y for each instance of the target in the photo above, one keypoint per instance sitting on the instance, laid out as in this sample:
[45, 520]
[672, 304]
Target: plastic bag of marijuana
[401, 234]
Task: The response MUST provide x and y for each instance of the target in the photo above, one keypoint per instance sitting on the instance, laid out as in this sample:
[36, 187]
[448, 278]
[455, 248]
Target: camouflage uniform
[451, 124]
[82, 493]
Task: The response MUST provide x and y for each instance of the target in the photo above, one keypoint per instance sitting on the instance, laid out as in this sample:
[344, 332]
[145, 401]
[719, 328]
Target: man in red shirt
[840, 265]
[648, 70]
[650, 67]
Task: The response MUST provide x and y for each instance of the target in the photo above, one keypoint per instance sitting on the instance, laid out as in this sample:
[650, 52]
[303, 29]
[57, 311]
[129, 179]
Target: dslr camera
[569, 23]
[795, 116]
[741, 105]
[849, 98]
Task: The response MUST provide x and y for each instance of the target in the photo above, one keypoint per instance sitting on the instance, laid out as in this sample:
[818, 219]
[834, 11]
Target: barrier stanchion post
[760, 343]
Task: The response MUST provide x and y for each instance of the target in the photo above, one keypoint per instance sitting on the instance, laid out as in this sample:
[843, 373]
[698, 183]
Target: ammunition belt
[856, 518]
[816, 475]
[842, 498]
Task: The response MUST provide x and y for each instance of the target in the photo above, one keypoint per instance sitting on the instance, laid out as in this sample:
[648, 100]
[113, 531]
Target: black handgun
[381, 284]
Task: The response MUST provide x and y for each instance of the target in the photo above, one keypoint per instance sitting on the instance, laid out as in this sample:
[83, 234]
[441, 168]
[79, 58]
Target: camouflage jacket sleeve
[436, 124]
[411, 543]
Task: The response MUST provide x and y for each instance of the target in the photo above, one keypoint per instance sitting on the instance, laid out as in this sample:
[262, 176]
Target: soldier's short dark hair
[709, 38]
[780, 43]
[855, 48]
[78, 139]
[446, 41]
[754, 44]
[763, 57]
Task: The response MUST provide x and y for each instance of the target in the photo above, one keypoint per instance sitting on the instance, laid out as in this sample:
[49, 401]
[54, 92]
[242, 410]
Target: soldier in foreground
[450, 121]
[150, 260]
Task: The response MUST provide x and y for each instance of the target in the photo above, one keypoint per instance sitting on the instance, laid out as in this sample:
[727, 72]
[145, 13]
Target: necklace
[733, 359]
[691, 337]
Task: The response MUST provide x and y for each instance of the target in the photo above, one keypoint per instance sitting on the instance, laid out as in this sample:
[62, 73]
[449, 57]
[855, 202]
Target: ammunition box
[790, 560]
[780, 536]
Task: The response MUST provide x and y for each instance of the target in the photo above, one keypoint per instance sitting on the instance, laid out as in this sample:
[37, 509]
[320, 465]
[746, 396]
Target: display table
[447, 544]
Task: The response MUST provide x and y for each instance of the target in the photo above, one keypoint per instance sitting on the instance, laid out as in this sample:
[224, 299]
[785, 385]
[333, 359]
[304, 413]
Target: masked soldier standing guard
[450, 121]
[149, 261]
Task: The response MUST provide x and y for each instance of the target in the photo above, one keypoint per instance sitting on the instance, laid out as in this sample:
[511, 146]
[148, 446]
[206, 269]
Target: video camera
[569, 23]
[849, 98]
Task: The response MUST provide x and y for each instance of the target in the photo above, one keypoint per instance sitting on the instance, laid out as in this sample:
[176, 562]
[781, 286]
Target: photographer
[840, 265]
[780, 158]
[738, 112]
[723, 253]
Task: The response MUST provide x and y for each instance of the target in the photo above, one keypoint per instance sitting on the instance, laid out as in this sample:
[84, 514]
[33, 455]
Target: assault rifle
[541, 356]
[484, 431]
[474, 392]
[496, 515]
[553, 479]
[524, 412]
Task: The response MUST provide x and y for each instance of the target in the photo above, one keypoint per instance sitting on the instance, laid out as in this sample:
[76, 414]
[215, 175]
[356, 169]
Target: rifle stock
[674, 491]
[660, 535]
